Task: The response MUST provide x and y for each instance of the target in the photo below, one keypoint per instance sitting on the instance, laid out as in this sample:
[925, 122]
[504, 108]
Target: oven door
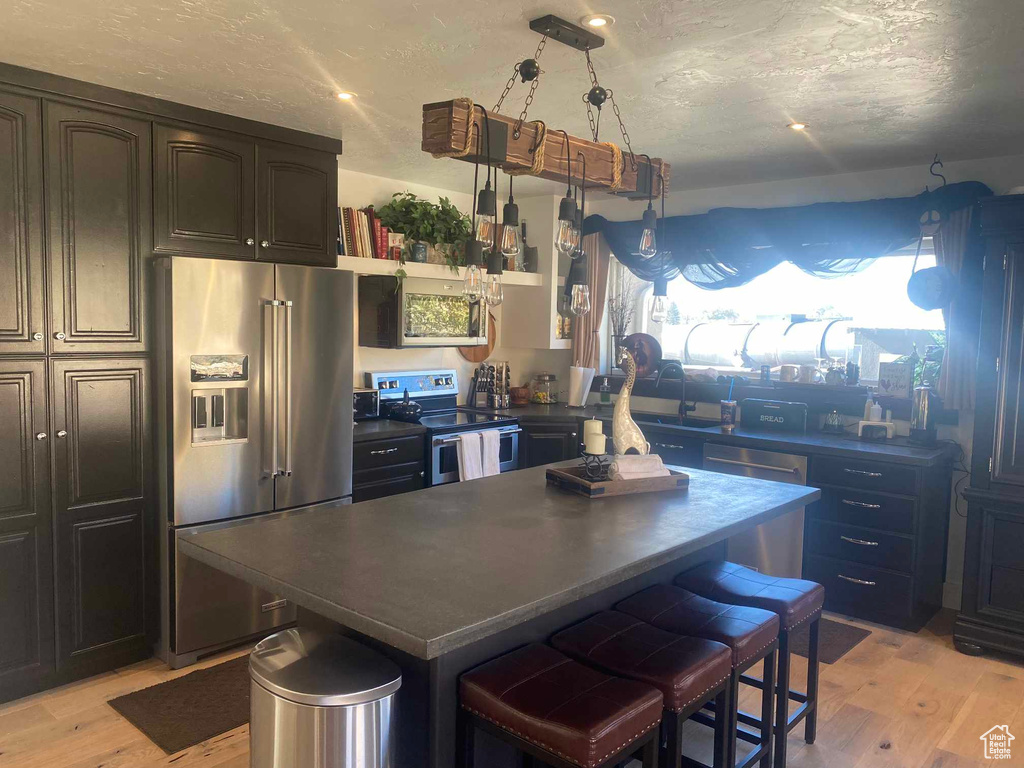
[444, 456]
[436, 314]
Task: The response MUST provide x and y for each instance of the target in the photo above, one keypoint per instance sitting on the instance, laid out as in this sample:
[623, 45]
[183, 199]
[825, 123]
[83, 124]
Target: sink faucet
[683, 407]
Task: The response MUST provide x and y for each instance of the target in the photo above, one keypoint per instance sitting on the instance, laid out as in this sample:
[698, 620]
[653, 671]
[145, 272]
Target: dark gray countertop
[898, 450]
[381, 429]
[430, 571]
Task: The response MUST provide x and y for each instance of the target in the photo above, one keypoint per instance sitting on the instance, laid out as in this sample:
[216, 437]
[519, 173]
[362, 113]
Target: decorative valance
[727, 247]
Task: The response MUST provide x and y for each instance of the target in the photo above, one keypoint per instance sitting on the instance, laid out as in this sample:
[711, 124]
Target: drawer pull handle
[856, 581]
[863, 504]
[860, 541]
[863, 472]
[383, 451]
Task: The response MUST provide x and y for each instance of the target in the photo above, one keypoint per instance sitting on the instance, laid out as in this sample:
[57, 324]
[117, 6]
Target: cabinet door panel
[1008, 456]
[549, 443]
[101, 466]
[99, 191]
[297, 199]
[21, 222]
[26, 575]
[204, 193]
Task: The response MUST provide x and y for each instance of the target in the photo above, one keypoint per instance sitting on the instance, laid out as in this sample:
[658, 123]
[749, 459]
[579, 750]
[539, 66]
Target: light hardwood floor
[898, 700]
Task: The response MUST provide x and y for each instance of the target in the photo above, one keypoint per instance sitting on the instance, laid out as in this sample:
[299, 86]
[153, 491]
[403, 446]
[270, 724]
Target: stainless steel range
[436, 392]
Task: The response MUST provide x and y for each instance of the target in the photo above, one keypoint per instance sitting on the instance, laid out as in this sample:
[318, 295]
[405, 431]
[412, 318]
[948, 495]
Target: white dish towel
[637, 467]
[468, 449]
[491, 452]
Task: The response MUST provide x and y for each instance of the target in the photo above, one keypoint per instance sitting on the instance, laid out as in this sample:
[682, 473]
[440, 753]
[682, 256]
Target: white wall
[999, 173]
[357, 190]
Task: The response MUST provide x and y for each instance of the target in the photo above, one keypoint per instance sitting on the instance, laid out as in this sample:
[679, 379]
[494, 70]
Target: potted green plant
[441, 225]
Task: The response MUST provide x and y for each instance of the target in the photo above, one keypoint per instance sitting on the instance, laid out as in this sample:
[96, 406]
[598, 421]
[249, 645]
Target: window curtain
[958, 249]
[728, 247]
[586, 340]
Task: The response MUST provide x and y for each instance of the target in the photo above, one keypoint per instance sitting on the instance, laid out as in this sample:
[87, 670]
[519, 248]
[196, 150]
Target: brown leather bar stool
[796, 602]
[561, 712]
[689, 671]
[751, 633]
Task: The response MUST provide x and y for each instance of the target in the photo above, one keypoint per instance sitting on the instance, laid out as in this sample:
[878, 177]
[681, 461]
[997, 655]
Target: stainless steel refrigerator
[254, 397]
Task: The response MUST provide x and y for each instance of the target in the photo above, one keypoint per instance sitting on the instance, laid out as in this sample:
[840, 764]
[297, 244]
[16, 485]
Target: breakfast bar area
[445, 579]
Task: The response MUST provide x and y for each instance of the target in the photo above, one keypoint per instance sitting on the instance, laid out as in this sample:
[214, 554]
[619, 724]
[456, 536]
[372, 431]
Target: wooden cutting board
[480, 352]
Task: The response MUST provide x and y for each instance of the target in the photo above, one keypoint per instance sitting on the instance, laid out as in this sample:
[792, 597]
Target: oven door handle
[451, 440]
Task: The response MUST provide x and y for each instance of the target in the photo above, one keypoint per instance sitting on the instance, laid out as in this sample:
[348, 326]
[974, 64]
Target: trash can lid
[321, 670]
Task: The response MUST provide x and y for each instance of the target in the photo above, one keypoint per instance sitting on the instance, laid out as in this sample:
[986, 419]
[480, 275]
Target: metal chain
[508, 87]
[590, 68]
[622, 127]
[526, 108]
[594, 127]
[533, 86]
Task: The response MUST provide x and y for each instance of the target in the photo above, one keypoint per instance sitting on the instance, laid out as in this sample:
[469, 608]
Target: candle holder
[595, 466]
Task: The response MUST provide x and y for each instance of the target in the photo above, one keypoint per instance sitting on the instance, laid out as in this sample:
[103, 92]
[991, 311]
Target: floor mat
[835, 640]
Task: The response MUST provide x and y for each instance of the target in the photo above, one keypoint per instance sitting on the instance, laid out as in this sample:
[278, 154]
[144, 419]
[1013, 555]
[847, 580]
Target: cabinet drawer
[868, 510]
[858, 589]
[860, 545]
[383, 453]
[388, 487]
[383, 474]
[866, 475]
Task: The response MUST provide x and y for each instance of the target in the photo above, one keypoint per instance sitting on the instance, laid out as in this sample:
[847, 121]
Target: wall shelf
[363, 266]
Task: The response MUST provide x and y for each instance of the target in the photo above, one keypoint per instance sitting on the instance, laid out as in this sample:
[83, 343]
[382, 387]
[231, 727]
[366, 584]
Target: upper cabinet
[225, 195]
[98, 178]
[22, 328]
[204, 194]
[297, 202]
[1008, 443]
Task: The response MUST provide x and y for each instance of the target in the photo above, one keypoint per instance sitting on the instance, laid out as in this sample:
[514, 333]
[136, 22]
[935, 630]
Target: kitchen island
[443, 579]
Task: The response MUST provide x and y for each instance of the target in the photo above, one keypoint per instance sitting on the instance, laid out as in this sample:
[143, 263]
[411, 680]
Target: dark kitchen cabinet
[547, 442]
[296, 205]
[26, 572]
[676, 449]
[204, 194]
[98, 184]
[387, 467]
[101, 423]
[992, 602]
[22, 289]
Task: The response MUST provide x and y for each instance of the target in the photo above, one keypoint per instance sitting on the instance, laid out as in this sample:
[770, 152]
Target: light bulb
[485, 231]
[648, 240]
[511, 240]
[659, 310]
[565, 240]
[580, 300]
[473, 283]
[493, 293]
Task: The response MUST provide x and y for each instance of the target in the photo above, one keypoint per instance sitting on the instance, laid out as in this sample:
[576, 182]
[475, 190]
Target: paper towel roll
[580, 380]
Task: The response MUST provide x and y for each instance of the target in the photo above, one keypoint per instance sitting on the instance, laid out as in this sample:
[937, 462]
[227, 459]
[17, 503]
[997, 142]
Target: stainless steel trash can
[320, 701]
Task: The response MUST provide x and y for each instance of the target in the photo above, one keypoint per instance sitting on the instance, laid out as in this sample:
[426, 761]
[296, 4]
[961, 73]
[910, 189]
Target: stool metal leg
[811, 726]
[465, 732]
[649, 758]
[731, 717]
[672, 725]
[767, 707]
[782, 712]
[723, 736]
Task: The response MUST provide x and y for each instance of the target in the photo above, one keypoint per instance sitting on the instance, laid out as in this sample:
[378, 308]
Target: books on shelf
[361, 234]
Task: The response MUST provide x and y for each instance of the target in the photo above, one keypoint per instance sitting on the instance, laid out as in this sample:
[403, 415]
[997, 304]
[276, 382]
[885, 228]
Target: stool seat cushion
[684, 669]
[578, 713]
[747, 631]
[795, 600]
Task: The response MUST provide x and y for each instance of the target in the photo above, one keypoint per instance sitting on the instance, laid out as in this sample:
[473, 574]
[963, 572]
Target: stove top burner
[461, 419]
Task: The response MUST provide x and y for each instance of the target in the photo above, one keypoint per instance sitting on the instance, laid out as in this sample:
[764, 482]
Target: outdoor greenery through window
[864, 317]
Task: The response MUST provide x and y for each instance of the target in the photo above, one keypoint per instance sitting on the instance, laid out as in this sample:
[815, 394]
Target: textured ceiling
[708, 84]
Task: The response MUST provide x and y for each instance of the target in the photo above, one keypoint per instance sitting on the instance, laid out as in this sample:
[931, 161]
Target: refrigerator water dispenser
[220, 415]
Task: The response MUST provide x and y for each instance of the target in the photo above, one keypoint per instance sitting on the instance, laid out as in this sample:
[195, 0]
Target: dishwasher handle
[749, 465]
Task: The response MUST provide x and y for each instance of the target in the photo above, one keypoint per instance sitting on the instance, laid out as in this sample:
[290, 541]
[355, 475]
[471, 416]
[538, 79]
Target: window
[865, 318]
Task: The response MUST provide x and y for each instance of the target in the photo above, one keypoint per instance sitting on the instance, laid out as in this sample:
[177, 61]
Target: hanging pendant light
[494, 294]
[511, 242]
[487, 200]
[565, 237]
[580, 299]
[659, 306]
[473, 282]
[579, 303]
[648, 236]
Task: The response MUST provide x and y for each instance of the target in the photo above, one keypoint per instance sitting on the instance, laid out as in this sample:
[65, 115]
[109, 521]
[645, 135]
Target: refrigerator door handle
[270, 465]
[287, 389]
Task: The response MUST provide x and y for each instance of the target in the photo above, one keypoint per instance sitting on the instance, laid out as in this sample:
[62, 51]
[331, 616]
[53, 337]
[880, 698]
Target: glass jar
[544, 389]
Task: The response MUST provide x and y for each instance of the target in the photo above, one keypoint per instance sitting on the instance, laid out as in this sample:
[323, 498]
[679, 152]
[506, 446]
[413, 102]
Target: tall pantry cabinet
[80, 166]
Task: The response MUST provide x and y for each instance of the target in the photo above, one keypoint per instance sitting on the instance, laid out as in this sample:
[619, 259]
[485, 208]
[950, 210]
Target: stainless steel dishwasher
[775, 547]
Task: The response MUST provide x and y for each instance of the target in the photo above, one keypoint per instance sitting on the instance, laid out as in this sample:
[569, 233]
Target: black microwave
[418, 312]
[365, 404]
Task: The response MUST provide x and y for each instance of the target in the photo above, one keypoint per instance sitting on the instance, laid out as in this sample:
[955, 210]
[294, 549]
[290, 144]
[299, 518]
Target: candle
[592, 427]
[594, 444]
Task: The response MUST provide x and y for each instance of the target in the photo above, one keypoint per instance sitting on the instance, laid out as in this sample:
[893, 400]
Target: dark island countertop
[898, 450]
[382, 429]
[434, 570]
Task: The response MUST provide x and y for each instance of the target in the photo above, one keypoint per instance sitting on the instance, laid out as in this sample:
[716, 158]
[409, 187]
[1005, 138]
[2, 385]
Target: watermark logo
[997, 742]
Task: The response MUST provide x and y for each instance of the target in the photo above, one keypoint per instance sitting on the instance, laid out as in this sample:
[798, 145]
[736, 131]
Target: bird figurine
[626, 435]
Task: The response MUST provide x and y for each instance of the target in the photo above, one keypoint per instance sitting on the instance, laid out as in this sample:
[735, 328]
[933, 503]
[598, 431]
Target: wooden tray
[574, 479]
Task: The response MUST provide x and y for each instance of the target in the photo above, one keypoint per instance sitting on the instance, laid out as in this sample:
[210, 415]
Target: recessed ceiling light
[798, 126]
[346, 95]
[597, 20]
